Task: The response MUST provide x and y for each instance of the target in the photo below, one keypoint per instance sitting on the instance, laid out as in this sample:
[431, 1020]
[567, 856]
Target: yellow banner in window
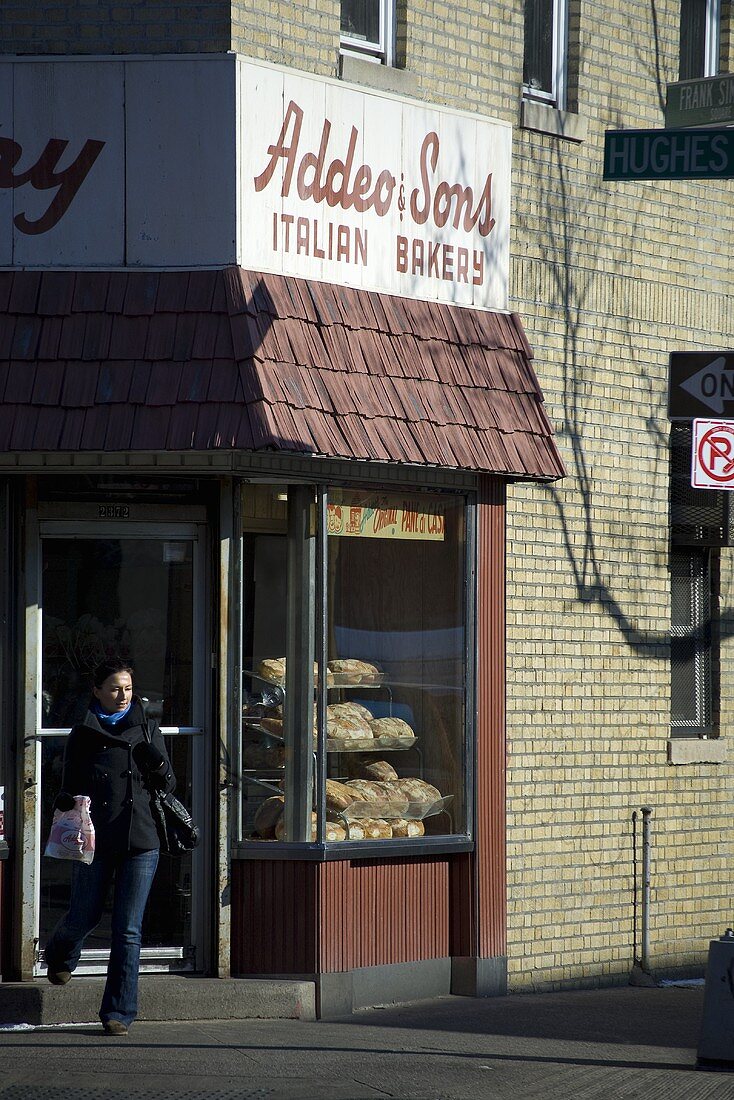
[388, 522]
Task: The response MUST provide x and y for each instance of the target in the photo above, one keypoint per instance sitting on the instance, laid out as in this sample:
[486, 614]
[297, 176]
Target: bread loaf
[335, 831]
[355, 830]
[273, 669]
[379, 770]
[339, 795]
[350, 710]
[347, 727]
[351, 671]
[268, 815]
[417, 790]
[368, 789]
[401, 827]
[280, 828]
[390, 730]
[376, 828]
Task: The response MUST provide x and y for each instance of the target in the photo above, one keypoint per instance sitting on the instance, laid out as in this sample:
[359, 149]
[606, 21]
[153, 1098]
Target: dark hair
[109, 668]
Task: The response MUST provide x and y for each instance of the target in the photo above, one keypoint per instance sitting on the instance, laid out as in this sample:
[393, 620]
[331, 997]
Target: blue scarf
[105, 717]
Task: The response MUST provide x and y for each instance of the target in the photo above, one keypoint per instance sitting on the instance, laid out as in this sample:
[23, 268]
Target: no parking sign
[712, 454]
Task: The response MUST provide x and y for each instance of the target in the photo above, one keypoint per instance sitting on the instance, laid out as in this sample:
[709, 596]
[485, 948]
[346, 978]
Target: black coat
[105, 763]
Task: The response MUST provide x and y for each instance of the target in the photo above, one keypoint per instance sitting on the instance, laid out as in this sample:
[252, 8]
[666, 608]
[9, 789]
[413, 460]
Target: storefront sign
[215, 160]
[386, 521]
[357, 187]
[705, 102]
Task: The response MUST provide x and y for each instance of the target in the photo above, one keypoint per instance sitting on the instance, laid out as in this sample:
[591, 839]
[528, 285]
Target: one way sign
[701, 384]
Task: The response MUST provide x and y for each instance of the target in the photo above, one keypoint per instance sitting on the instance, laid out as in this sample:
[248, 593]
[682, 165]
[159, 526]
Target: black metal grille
[698, 517]
[690, 641]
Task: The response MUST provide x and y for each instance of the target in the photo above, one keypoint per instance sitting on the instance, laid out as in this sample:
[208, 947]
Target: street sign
[701, 383]
[705, 102]
[712, 454]
[669, 154]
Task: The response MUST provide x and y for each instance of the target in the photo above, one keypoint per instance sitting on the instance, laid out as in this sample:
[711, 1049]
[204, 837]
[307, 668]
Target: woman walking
[109, 758]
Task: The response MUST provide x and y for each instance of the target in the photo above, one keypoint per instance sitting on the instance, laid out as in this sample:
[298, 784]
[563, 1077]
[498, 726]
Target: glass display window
[357, 666]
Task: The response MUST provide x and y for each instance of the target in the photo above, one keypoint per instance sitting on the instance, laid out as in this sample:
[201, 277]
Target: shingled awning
[203, 360]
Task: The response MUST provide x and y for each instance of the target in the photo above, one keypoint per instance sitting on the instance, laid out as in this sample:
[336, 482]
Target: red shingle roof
[128, 361]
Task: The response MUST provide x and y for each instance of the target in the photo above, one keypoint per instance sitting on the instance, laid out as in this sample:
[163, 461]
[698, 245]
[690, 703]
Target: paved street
[619, 1043]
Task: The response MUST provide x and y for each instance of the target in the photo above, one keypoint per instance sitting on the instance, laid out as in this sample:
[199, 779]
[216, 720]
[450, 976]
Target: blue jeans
[133, 873]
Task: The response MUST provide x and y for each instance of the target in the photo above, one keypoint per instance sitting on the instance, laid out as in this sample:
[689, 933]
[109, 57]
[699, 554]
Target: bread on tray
[351, 671]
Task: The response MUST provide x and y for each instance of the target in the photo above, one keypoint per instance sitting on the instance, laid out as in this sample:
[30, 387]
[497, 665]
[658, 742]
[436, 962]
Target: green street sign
[705, 102]
[669, 154]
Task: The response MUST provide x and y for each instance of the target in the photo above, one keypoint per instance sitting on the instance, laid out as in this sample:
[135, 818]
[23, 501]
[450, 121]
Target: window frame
[712, 42]
[381, 52]
[319, 849]
[557, 95]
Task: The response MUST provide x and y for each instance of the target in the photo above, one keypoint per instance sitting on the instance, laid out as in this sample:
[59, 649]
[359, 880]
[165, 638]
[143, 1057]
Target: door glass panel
[117, 597]
[134, 598]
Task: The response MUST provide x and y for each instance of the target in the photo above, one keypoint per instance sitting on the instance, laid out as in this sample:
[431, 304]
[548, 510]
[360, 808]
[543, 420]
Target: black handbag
[176, 829]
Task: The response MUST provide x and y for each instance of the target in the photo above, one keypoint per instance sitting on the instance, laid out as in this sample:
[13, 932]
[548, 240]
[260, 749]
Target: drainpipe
[641, 975]
[646, 849]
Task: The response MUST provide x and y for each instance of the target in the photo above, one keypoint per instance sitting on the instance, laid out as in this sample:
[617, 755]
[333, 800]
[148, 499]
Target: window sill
[384, 78]
[697, 750]
[359, 849]
[547, 120]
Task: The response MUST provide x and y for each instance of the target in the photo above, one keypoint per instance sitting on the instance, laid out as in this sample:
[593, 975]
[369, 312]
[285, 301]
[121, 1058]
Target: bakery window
[357, 669]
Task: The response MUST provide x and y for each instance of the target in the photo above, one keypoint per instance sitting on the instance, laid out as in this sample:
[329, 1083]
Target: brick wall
[609, 278]
[114, 26]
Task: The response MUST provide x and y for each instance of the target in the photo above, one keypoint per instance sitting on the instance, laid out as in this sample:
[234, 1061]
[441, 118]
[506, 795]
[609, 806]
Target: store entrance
[135, 590]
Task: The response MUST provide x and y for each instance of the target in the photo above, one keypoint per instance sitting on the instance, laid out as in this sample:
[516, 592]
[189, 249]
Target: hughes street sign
[669, 154]
[701, 384]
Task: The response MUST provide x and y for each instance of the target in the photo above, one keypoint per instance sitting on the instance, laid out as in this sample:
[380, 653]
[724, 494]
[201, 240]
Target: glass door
[133, 590]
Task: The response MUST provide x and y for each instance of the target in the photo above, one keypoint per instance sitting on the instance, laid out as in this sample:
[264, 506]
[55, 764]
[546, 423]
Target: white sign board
[712, 454]
[356, 187]
[170, 162]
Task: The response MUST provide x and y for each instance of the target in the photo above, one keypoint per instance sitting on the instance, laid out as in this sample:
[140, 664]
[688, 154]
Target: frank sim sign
[712, 454]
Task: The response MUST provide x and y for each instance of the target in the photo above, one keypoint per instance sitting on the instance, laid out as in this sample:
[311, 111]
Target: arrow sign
[701, 383]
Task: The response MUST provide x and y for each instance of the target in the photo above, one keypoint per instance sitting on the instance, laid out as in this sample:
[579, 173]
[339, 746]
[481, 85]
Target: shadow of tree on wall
[566, 263]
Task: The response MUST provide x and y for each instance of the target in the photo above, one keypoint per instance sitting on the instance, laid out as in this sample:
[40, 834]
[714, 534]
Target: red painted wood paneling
[377, 913]
[274, 922]
[491, 876]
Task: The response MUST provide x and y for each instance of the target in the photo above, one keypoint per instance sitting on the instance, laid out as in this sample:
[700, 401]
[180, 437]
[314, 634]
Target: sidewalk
[607, 1044]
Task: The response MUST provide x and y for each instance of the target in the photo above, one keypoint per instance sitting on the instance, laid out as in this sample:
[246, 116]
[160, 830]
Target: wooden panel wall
[381, 912]
[372, 913]
[274, 917]
[491, 875]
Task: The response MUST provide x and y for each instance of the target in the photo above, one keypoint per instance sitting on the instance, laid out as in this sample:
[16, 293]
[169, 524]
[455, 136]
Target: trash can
[716, 1045]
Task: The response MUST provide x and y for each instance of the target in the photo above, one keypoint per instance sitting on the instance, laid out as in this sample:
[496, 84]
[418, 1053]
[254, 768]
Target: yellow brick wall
[609, 279]
[114, 26]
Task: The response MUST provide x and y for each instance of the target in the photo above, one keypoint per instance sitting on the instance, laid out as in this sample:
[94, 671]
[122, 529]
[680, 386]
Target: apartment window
[546, 51]
[368, 29]
[699, 38]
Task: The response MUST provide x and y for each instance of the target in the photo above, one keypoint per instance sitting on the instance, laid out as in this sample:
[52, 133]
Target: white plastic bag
[72, 832]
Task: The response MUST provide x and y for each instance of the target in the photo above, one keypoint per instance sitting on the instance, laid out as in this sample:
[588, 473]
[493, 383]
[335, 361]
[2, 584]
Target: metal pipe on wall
[646, 853]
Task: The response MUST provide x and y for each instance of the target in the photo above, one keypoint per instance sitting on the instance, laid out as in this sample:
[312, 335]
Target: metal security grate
[690, 641]
[698, 517]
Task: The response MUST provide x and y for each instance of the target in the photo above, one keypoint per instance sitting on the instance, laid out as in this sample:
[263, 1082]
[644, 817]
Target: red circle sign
[716, 453]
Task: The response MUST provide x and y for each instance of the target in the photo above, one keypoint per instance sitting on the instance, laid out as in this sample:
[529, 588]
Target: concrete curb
[162, 997]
